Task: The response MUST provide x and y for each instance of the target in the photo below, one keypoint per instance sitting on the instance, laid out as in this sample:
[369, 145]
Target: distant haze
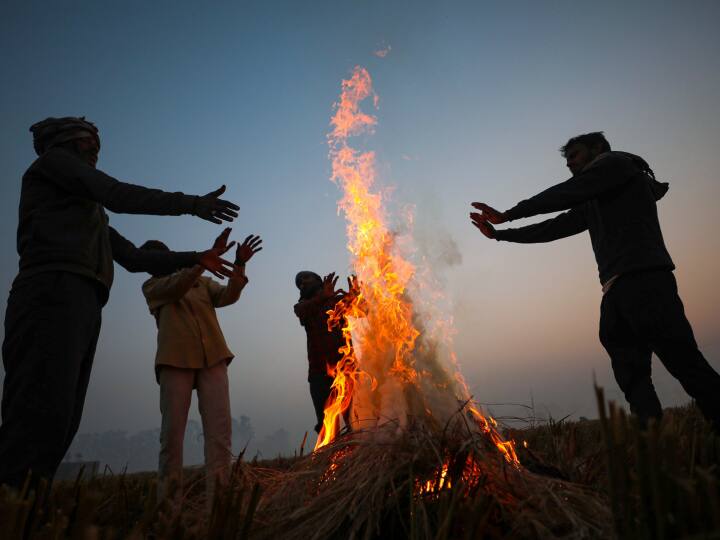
[475, 99]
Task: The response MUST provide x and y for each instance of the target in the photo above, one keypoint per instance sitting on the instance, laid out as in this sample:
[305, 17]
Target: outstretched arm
[608, 173]
[134, 259]
[159, 262]
[561, 226]
[74, 175]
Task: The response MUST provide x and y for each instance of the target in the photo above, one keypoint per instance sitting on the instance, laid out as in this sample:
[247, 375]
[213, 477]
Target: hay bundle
[420, 484]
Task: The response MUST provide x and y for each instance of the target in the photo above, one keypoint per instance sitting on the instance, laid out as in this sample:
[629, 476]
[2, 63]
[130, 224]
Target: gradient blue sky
[475, 99]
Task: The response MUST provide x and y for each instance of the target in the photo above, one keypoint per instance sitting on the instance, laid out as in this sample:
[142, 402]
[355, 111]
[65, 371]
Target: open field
[589, 479]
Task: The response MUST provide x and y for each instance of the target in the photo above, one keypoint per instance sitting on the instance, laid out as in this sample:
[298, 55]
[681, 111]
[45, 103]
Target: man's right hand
[328, 286]
[213, 262]
[489, 213]
[211, 208]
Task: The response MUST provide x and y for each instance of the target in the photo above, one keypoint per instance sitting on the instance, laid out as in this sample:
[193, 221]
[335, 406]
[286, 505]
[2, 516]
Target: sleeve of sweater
[224, 295]
[312, 306]
[134, 259]
[159, 291]
[77, 177]
[561, 226]
[608, 173]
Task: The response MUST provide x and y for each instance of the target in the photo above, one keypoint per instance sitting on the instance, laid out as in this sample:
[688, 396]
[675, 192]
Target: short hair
[587, 139]
[155, 245]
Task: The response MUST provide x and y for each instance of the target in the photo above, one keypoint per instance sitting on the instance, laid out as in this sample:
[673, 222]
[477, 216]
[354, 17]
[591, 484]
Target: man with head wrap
[317, 297]
[66, 250]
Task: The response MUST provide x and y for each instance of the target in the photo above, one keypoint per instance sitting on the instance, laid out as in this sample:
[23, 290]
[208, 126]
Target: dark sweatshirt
[322, 344]
[63, 225]
[614, 198]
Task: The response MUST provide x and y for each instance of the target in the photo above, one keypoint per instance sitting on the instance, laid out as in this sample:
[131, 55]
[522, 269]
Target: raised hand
[328, 285]
[211, 208]
[353, 285]
[212, 259]
[481, 223]
[250, 246]
[221, 240]
[489, 213]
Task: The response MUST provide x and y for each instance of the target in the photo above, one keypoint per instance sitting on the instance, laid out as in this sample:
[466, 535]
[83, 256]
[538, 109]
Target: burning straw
[421, 459]
[419, 484]
[393, 369]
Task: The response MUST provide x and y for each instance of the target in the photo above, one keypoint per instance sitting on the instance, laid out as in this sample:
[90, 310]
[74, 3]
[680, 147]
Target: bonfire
[420, 458]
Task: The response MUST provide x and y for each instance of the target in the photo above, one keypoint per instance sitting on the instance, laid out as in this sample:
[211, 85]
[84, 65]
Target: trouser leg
[52, 324]
[660, 319]
[214, 404]
[631, 360]
[320, 386]
[175, 395]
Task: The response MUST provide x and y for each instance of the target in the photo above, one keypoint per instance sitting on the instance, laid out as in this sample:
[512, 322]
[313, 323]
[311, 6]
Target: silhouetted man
[65, 273]
[613, 196]
[317, 297]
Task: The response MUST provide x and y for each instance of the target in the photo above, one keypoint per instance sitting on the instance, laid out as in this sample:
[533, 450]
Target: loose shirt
[183, 304]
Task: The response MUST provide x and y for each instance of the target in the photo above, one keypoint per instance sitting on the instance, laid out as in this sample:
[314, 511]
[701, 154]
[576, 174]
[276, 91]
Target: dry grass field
[590, 479]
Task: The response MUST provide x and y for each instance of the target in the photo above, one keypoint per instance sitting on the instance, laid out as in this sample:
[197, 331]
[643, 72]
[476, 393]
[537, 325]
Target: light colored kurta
[183, 304]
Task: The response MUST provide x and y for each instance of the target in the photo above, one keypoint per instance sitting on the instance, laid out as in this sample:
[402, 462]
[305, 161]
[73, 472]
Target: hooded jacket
[614, 198]
[63, 225]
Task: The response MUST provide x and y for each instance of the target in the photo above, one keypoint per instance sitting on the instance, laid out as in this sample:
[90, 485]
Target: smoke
[383, 51]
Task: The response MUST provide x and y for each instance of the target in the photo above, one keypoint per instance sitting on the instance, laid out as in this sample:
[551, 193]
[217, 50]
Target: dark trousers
[320, 386]
[642, 314]
[52, 325]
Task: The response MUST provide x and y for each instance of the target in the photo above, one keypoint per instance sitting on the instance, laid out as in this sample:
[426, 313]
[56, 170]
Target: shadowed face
[578, 156]
[88, 149]
[309, 285]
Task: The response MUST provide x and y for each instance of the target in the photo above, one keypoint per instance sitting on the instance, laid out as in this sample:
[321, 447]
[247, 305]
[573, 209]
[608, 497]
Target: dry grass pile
[588, 479]
[417, 485]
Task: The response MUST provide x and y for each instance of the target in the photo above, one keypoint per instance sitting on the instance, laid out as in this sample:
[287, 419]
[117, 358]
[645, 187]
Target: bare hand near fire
[250, 246]
[488, 213]
[212, 259]
[353, 286]
[328, 286]
[484, 226]
[212, 208]
[221, 240]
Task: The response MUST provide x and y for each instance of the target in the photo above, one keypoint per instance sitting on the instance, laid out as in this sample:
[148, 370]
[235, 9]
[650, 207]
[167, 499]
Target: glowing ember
[395, 371]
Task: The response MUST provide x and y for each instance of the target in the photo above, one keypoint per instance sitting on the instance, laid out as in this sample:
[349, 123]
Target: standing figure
[192, 354]
[317, 297]
[66, 250]
[613, 195]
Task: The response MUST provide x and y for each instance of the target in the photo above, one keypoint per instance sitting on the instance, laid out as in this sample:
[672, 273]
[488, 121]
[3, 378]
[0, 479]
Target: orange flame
[379, 322]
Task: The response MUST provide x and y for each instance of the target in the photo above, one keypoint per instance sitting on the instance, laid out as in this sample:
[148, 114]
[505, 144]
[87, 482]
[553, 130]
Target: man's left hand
[250, 246]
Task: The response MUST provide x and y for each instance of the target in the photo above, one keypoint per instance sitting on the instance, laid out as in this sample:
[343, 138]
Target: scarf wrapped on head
[53, 131]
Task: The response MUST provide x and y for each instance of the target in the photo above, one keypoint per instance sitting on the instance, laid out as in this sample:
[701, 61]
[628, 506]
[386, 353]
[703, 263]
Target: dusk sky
[475, 98]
